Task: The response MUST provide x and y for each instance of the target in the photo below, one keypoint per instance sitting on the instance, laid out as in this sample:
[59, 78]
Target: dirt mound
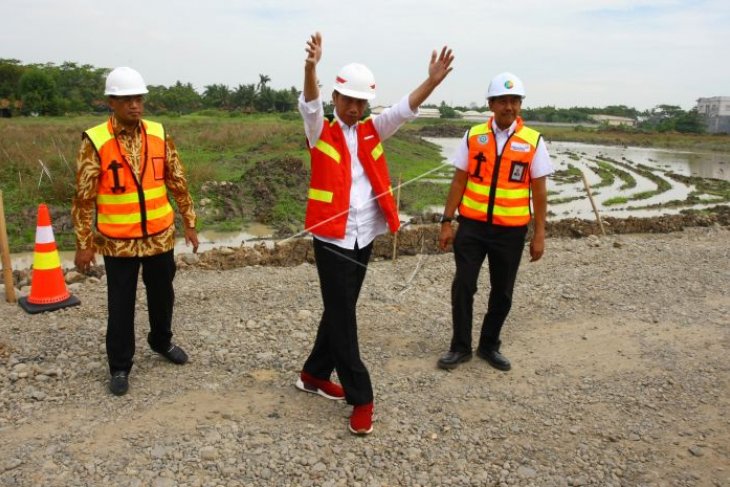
[444, 130]
[265, 193]
[574, 227]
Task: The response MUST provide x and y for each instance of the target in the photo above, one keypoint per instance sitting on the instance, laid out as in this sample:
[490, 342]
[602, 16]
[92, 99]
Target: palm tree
[263, 79]
[217, 96]
[243, 96]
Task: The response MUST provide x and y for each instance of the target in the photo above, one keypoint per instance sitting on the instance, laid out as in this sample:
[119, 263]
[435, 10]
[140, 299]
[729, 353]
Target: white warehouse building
[716, 111]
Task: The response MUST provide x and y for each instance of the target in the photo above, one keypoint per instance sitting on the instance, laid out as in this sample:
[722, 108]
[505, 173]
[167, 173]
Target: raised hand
[314, 49]
[440, 66]
[438, 69]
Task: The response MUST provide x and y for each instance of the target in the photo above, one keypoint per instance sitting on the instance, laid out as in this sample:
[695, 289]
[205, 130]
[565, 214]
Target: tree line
[662, 118]
[49, 89]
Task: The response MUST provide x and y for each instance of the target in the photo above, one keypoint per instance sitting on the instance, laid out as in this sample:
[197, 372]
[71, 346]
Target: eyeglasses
[128, 99]
[506, 100]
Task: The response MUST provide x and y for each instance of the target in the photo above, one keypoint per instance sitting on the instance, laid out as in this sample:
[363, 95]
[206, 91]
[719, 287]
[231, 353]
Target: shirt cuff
[85, 241]
[311, 106]
[403, 108]
[189, 221]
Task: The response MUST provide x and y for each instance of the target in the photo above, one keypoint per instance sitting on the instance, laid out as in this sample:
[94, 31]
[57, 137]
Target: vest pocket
[158, 166]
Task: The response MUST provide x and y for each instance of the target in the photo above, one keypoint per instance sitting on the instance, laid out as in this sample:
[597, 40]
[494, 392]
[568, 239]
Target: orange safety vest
[498, 188]
[129, 207]
[331, 179]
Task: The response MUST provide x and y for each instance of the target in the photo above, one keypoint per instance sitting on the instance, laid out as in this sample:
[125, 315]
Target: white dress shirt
[365, 220]
[541, 163]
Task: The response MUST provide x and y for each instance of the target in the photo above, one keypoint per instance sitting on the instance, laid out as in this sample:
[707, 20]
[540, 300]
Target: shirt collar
[343, 124]
[507, 131]
[120, 129]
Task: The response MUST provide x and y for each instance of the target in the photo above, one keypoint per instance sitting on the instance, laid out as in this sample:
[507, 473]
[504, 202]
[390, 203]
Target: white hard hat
[505, 84]
[124, 82]
[356, 81]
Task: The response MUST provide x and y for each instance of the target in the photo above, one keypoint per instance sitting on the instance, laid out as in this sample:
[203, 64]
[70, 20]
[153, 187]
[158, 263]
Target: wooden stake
[5, 250]
[397, 209]
[593, 203]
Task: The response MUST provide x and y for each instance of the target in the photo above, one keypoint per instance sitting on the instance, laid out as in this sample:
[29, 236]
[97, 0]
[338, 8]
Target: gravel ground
[620, 378]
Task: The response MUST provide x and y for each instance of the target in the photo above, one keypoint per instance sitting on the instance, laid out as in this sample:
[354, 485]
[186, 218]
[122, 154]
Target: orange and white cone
[48, 291]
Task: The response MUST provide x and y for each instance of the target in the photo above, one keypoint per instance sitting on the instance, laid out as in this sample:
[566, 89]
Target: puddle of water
[211, 239]
[207, 239]
[701, 164]
[705, 165]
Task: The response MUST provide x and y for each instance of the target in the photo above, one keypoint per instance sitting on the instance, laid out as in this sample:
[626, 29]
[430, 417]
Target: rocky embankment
[620, 377]
[420, 237]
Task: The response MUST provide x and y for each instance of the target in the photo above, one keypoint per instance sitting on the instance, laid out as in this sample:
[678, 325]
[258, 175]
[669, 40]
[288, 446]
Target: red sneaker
[324, 388]
[361, 421]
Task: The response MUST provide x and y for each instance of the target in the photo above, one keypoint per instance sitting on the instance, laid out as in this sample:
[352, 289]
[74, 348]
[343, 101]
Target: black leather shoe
[495, 359]
[119, 383]
[451, 360]
[174, 354]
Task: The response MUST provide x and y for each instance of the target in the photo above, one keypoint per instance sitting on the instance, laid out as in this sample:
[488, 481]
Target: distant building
[377, 110]
[423, 112]
[613, 120]
[474, 115]
[429, 113]
[716, 112]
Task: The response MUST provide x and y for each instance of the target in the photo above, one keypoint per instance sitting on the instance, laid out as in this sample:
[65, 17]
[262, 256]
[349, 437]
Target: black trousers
[341, 273]
[158, 271]
[502, 246]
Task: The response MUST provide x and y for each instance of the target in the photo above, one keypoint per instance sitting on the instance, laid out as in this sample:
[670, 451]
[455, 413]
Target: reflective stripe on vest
[377, 152]
[128, 218]
[114, 199]
[320, 195]
[100, 135]
[120, 213]
[500, 193]
[511, 192]
[331, 180]
[328, 149]
[498, 210]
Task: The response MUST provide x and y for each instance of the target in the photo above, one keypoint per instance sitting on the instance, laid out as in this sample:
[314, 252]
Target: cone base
[40, 308]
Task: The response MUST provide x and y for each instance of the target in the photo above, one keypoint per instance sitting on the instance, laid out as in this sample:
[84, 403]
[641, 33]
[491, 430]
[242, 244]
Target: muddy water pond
[208, 239]
[647, 168]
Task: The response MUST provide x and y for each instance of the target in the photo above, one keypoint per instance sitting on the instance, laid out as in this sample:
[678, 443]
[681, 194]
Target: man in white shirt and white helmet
[350, 203]
[499, 165]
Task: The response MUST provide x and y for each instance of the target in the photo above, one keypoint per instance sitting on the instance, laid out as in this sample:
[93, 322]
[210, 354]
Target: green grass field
[263, 156]
[38, 163]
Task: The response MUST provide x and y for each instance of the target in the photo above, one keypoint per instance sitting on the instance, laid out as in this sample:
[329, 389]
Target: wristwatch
[446, 219]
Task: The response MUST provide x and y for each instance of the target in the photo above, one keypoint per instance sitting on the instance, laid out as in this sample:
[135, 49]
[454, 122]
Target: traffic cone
[48, 290]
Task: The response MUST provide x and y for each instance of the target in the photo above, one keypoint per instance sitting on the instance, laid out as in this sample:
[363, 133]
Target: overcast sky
[567, 52]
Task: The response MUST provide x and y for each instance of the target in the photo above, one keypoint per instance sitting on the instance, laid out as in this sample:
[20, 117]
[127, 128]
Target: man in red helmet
[350, 203]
